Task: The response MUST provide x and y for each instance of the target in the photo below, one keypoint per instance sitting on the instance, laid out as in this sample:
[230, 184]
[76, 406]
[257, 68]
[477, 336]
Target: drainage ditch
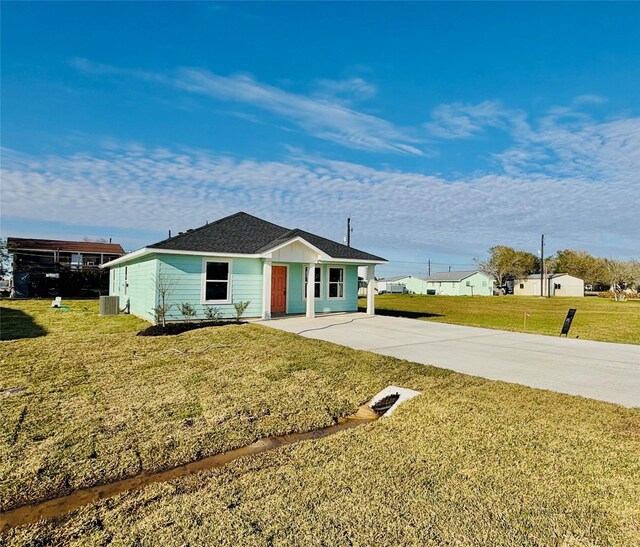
[29, 514]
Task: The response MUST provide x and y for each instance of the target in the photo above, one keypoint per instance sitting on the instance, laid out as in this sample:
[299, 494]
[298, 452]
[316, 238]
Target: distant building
[463, 283]
[559, 284]
[46, 267]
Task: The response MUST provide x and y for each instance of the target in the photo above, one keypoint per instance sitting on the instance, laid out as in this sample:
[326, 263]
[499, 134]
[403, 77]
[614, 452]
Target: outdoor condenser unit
[109, 305]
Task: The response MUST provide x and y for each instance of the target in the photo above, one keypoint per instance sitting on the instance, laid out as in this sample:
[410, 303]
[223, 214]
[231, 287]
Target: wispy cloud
[589, 99]
[324, 118]
[347, 90]
[579, 186]
[463, 120]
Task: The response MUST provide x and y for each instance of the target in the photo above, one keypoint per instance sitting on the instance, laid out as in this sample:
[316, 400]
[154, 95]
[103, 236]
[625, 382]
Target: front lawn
[596, 318]
[102, 404]
[471, 461]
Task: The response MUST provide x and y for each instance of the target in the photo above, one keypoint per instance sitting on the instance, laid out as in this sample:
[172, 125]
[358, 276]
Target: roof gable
[453, 276]
[242, 233]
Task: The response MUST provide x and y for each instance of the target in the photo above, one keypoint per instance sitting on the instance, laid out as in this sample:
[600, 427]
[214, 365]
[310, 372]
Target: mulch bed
[171, 329]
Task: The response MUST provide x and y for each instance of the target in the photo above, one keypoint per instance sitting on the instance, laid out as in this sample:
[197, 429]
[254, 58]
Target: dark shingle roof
[17, 243]
[242, 233]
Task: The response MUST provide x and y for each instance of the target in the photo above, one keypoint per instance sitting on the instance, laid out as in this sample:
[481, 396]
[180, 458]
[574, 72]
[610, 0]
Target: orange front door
[278, 289]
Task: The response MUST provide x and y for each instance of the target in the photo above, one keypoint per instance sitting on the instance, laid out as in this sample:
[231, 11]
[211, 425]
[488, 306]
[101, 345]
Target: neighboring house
[44, 267]
[243, 258]
[467, 283]
[559, 284]
[413, 285]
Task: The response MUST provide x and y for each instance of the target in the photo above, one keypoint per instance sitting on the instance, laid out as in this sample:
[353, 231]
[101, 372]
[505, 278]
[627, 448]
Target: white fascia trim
[353, 261]
[321, 254]
[147, 251]
[126, 258]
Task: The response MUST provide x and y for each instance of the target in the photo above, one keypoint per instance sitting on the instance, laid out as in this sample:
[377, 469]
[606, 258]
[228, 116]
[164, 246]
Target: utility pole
[429, 267]
[542, 266]
[349, 232]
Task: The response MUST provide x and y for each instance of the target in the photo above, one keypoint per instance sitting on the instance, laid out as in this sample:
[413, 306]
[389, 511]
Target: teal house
[466, 283]
[242, 258]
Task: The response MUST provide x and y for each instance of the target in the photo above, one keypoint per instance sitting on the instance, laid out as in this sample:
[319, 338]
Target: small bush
[188, 311]
[241, 307]
[160, 313]
[212, 313]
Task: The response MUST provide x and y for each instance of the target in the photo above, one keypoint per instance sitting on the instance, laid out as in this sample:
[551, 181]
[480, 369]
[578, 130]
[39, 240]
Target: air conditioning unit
[109, 305]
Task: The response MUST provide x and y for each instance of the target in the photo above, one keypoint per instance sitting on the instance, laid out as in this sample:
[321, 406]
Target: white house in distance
[464, 283]
[413, 285]
[559, 284]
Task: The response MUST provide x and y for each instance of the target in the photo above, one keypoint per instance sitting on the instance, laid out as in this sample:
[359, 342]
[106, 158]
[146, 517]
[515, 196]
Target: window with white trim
[318, 282]
[336, 282]
[216, 281]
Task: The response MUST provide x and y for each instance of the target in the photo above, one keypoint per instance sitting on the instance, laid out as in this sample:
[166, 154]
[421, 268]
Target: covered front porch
[286, 289]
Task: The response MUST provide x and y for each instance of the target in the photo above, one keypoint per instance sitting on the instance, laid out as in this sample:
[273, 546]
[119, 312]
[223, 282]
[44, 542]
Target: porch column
[311, 292]
[266, 289]
[371, 309]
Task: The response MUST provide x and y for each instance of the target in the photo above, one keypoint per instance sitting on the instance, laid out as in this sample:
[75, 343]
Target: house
[559, 284]
[45, 267]
[411, 284]
[242, 258]
[466, 283]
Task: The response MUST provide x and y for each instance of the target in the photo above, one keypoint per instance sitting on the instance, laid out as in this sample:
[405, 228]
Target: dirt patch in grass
[172, 329]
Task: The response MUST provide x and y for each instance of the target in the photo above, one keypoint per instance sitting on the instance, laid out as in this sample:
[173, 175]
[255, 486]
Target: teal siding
[186, 274]
[295, 290]
[140, 275]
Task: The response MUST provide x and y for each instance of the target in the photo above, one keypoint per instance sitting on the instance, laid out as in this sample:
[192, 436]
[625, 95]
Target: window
[468, 283]
[76, 261]
[556, 286]
[484, 283]
[317, 284]
[522, 285]
[216, 281]
[336, 282]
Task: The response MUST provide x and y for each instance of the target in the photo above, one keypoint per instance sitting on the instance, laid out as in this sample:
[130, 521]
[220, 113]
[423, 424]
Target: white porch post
[311, 290]
[266, 289]
[371, 310]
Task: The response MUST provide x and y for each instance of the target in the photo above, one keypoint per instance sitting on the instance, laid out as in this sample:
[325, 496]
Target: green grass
[103, 404]
[471, 461]
[596, 318]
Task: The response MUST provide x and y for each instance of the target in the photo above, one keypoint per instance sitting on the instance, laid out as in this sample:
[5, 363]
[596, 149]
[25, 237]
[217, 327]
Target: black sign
[567, 322]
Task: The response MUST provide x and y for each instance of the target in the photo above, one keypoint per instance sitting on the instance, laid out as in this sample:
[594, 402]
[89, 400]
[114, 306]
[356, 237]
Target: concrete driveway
[599, 370]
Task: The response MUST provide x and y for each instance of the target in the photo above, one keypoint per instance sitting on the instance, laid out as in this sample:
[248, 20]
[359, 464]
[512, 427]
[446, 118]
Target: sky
[441, 129]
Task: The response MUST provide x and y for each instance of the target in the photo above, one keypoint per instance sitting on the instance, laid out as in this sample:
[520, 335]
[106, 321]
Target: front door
[278, 289]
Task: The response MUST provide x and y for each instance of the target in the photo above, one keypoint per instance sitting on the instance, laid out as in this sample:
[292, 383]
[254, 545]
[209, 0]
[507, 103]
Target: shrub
[241, 307]
[212, 313]
[187, 310]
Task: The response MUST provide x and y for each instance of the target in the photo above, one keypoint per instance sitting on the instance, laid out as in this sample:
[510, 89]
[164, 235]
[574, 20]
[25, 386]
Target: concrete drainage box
[389, 398]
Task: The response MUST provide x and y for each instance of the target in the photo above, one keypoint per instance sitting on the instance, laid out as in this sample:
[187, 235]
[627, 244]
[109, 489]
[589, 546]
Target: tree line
[618, 276]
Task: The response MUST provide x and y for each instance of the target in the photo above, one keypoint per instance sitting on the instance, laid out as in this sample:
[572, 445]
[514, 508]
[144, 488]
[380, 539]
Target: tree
[621, 275]
[505, 263]
[580, 264]
[164, 286]
[5, 259]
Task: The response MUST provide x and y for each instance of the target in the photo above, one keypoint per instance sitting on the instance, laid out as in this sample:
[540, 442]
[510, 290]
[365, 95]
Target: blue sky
[441, 129]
